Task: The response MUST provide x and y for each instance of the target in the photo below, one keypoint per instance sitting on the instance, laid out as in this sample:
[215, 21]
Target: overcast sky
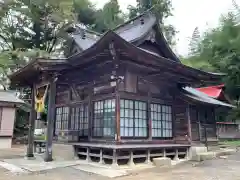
[187, 15]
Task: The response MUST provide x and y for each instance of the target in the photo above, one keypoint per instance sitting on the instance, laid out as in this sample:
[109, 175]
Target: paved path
[218, 169]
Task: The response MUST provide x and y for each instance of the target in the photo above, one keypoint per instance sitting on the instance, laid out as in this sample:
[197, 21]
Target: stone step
[212, 154]
[162, 162]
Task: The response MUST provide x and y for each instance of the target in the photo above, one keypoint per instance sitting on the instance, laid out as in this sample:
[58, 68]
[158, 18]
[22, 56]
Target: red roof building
[216, 92]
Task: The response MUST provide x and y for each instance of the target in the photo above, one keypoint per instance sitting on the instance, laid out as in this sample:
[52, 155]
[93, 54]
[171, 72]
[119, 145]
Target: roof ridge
[117, 27]
[88, 30]
[134, 18]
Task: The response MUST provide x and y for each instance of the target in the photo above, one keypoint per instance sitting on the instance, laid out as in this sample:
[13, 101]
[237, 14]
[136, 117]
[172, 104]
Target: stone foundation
[63, 151]
[66, 136]
[162, 162]
[131, 156]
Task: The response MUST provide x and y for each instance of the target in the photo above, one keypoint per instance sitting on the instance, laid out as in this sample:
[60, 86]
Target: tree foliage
[37, 28]
[219, 51]
[194, 42]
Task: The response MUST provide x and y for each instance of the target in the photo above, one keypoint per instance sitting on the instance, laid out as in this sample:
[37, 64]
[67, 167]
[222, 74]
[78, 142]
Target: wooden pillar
[199, 124]
[116, 74]
[117, 108]
[174, 117]
[31, 128]
[189, 123]
[50, 120]
[69, 116]
[149, 113]
[215, 122]
[90, 112]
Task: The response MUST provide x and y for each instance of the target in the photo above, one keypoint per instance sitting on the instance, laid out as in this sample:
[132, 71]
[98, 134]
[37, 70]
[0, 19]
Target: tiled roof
[11, 97]
[202, 97]
[133, 31]
[212, 91]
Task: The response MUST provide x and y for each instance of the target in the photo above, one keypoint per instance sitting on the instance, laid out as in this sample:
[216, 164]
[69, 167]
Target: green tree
[193, 44]
[99, 20]
[219, 51]
[112, 15]
[220, 48]
[30, 29]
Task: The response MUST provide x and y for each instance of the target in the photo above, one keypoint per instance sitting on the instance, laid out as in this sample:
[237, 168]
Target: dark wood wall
[194, 123]
[92, 84]
[181, 121]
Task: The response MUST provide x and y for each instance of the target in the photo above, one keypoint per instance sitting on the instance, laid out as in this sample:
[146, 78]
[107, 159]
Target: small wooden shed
[9, 102]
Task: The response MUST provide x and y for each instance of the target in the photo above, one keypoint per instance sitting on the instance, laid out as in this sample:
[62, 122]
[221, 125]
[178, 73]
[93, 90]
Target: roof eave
[35, 66]
[203, 98]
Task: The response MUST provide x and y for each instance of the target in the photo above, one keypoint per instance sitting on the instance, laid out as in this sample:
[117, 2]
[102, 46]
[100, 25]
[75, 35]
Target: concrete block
[207, 156]
[162, 162]
[194, 151]
[225, 152]
[196, 158]
[63, 151]
[5, 142]
[204, 156]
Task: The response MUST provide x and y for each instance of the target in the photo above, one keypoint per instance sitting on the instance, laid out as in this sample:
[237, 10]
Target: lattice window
[161, 116]
[167, 121]
[58, 119]
[62, 118]
[133, 118]
[104, 118]
[79, 119]
[156, 117]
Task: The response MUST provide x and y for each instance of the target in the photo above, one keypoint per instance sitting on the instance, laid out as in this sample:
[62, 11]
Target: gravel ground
[218, 169]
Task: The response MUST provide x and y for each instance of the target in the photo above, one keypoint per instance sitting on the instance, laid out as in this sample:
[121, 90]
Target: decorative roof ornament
[112, 50]
[83, 34]
[152, 36]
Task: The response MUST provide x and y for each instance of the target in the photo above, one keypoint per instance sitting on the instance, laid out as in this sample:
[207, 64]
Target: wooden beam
[85, 80]
[74, 90]
[154, 76]
[158, 62]
[90, 67]
[87, 58]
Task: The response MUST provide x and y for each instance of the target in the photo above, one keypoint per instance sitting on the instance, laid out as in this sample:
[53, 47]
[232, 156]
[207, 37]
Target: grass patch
[234, 143]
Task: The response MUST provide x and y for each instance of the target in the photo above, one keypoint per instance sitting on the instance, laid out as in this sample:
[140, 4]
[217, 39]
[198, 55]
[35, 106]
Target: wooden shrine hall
[122, 96]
